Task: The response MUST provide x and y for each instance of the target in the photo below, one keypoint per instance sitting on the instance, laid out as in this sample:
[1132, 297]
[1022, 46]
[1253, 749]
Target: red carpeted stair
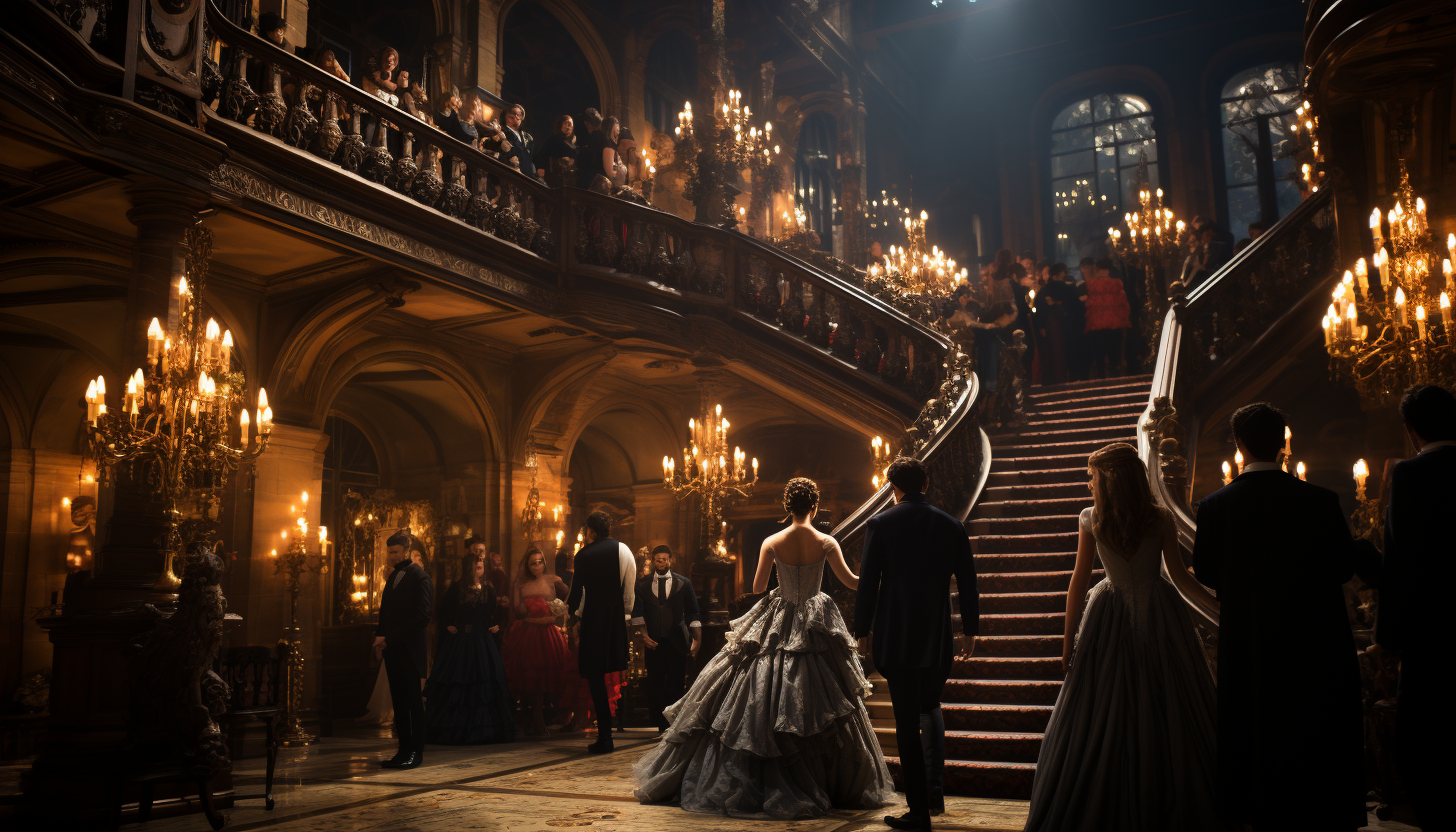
[1024, 535]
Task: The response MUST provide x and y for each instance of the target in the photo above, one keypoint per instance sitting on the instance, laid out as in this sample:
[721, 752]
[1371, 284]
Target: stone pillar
[17, 488]
[292, 465]
[54, 477]
[485, 66]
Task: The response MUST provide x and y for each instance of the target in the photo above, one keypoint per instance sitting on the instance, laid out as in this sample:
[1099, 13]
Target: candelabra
[707, 470]
[1152, 232]
[883, 455]
[913, 268]
[734, 144]
[293, 563]
[1378, 333]
[176, 432]
[1369, 520]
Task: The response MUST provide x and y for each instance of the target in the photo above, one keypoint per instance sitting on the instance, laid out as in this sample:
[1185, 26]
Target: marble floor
[531, 786]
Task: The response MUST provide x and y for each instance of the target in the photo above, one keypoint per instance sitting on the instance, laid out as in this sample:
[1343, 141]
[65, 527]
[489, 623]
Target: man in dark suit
[911, 551]
[601, 596]
[667, 611]
[1277, 550]
[1414, 619]
[519, 145]
[404, 615]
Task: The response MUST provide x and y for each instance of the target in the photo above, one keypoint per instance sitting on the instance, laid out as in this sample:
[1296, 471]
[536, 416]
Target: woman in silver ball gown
[776, 725]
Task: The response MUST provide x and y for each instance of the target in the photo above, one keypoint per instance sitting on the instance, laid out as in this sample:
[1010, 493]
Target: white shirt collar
[1261, 466]
[1443, 443]
[656, 577]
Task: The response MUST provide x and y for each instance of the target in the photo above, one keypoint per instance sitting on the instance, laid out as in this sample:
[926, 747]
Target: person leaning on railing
[556, 156]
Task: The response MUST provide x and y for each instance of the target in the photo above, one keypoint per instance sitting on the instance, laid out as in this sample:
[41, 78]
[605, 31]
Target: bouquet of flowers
[558, 607]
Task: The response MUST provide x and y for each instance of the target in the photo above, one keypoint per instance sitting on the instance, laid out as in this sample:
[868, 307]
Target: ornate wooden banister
[1216, 332]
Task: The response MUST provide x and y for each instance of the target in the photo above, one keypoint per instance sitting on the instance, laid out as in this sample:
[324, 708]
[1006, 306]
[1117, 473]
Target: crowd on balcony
[590, 150]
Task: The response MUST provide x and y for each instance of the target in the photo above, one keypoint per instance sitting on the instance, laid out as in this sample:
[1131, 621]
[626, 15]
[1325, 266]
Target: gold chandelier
[177, 427]
[708, 470]
[531, 515]
[1152, 232]
[913, 267]
[1380, 330]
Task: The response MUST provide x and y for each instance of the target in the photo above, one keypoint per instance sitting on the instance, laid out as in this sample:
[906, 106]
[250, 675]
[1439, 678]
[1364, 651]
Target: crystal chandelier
[177, 429]
[1379, 330]
[708, 470]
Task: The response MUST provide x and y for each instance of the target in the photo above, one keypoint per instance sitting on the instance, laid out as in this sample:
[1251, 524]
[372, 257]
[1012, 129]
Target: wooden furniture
[254, 675]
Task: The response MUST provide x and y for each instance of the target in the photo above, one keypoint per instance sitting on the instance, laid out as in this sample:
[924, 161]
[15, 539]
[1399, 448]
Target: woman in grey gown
[1130, 746]
[775, 725]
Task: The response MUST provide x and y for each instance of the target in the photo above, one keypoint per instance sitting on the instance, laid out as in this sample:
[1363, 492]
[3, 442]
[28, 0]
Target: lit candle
[1228, 474]
[1325, 325]
[265, 421]
[1362, 277]
[154, 341]
[1288, 436]
[244, 424]
[1446, 319]
[1400, 306]
[1300, 470]
[1361, 471]
[323, 533]
[1421, 322]
[227, 350]
[210, 344]
[1239, 460]
[91, 402]
[1446, 273]
[1333, 316]
[1383, 266]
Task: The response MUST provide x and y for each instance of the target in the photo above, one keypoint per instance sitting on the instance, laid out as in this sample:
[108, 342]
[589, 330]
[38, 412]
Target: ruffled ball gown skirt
[775, 725]
[467, 699]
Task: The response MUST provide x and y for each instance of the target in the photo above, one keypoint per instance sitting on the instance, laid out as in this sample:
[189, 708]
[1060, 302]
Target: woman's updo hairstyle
[801, 495]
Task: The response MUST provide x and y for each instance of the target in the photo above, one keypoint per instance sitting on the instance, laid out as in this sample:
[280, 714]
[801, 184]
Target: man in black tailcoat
[1415, 620]
[667, 611]
[602, 594]
[1277, 550]
[404, 616]
[910, 553]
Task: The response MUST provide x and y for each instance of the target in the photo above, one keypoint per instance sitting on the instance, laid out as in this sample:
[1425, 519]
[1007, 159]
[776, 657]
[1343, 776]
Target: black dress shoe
[414, 759]
[909, 820]
[937, 805]
[601, 747]
[392, 762]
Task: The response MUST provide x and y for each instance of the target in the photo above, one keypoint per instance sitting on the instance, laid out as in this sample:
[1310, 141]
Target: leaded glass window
[1097, 145]
[1260, 171]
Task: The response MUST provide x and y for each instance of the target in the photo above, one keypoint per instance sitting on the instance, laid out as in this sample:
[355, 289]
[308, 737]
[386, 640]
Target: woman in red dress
[539, 664]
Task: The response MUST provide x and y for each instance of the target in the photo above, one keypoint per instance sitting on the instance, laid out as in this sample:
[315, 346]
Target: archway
[545, 69]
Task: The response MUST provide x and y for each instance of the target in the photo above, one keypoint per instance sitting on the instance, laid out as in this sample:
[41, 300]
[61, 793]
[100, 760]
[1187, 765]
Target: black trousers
[1425, 736]
[409, 703]
[915, 697]
[597, 684]
[667, 673]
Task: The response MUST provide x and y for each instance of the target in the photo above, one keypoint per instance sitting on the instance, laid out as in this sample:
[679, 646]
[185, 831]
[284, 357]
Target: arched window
[1259, 169]
[671, 78]
[1096, 146]
[815, 186]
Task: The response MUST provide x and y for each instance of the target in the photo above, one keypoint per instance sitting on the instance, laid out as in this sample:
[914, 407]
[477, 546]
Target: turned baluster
[351, 154]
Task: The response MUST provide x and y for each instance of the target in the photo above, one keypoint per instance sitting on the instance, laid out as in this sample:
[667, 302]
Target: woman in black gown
[466, 699]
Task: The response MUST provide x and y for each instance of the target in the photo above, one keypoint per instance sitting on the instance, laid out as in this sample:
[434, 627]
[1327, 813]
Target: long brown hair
[524, 575]
[467, 568]
[1123, 507]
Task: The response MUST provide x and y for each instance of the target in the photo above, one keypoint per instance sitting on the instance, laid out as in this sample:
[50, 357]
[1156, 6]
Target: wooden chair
[255, 676]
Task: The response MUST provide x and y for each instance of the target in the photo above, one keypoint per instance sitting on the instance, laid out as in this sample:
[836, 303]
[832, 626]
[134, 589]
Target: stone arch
[584, 32]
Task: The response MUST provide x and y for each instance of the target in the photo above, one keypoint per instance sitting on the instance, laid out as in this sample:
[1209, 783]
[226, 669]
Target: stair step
[1045, 524]
[1076, 448]
[1042, 647]
[958, 717]
[1004, 476]
[1116, 382]
[981, 778]
[1010, 667]
[988, 563]
[1016, 624]
[1014, 602]
[1129, 411]
[1057, 436]
[1002, 691]
[1064, 462]
[1018, 543]
[997, 507]
[1036, 408]
[1055, 581]
[1034, 492]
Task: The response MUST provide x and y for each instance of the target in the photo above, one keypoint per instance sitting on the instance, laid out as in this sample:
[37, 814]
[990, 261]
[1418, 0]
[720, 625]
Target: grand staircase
[1024, 535]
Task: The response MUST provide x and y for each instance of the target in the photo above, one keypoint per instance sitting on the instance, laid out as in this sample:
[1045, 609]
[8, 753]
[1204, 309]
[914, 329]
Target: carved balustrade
[1215, 332]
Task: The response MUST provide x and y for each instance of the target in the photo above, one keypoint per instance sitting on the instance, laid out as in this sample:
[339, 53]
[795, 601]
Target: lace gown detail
[1131, 742]
[775, 725]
